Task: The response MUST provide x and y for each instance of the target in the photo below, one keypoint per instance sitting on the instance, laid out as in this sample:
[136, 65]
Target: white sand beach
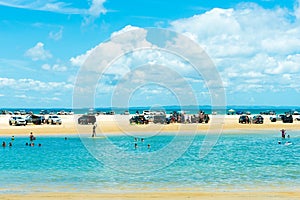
[116, 124]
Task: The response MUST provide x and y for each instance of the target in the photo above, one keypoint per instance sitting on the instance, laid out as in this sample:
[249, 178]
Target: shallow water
[236, 162]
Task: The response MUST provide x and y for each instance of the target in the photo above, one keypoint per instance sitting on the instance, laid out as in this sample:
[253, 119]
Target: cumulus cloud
[251, 46]
[38, 52]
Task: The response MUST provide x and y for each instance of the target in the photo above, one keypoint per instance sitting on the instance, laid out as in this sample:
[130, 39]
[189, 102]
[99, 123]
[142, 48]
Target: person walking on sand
[94, 130]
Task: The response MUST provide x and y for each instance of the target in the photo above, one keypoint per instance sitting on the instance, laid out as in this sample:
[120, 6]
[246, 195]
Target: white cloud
[2, 95]
[51, 6]
[46, 67]
[38, 52]
[297, 9]
[114, 47]
[55, 67]
[291, 64]
[251, 46]
[97, 8]
[79, 60]
[56, 35]
[33, 85]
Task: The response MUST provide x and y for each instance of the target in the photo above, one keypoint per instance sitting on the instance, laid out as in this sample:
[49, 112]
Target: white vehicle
[17, 121]
[54, 119]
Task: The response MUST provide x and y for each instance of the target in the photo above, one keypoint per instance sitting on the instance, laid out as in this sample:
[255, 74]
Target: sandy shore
[120, 123]
[159, 195]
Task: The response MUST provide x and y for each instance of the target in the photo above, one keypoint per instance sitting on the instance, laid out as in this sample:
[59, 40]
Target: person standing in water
[283, 133]
[31, 137]
[94, 130]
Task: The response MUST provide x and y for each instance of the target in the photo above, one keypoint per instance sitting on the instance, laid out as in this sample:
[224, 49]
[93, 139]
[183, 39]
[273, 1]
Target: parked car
[35, 119]
[258, 119]
[138, 119]
[287, 118]
[17, 121]
[44, 112]
[54, 119]
[244, 119]
[87, 119]
[276, 118]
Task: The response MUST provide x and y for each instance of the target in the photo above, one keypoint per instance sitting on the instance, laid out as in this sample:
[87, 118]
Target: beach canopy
[231, 110]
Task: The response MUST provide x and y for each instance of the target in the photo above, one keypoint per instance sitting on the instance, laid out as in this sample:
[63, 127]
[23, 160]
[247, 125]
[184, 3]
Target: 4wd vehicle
[276, 118]
[87, 119]
[17, 120]
[287, 118]
[258, 119]
[244, 119]
[54, 119]
[35, 119]
[139, 119]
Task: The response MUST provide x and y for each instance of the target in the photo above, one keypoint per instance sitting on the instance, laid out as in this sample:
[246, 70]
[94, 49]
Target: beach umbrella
[231, 110]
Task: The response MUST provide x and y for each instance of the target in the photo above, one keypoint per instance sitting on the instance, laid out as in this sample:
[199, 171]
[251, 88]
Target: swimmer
[279, 142]
[40, 144]
[3, 144]
[148, 146]
[26, 144]
[142, 140]
[135, 145]
[10, 144]
[12, 137]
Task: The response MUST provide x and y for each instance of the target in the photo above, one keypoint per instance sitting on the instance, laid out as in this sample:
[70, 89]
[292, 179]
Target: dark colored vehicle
[258, 119]
[287, 118]
[87, 119]
[244, 119]
[203, 118]
[35, 119]
[159, 119]
[140, 119]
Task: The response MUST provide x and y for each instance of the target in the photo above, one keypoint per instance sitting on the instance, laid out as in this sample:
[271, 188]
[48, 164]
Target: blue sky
[254, 46]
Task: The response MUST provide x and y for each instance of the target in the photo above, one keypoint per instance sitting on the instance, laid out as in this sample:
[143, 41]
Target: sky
[253, 45]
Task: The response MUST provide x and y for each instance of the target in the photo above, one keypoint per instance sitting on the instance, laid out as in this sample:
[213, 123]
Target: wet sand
[159, 195]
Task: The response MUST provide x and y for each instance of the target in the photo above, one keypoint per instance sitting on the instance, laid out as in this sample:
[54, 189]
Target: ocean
[188, 109]
[237, 162]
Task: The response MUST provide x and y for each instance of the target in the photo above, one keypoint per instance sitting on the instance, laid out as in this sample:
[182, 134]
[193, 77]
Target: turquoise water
[236, 162]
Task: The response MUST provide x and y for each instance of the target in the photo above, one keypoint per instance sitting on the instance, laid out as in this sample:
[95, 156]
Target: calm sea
[237, 162]
[168, 109]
